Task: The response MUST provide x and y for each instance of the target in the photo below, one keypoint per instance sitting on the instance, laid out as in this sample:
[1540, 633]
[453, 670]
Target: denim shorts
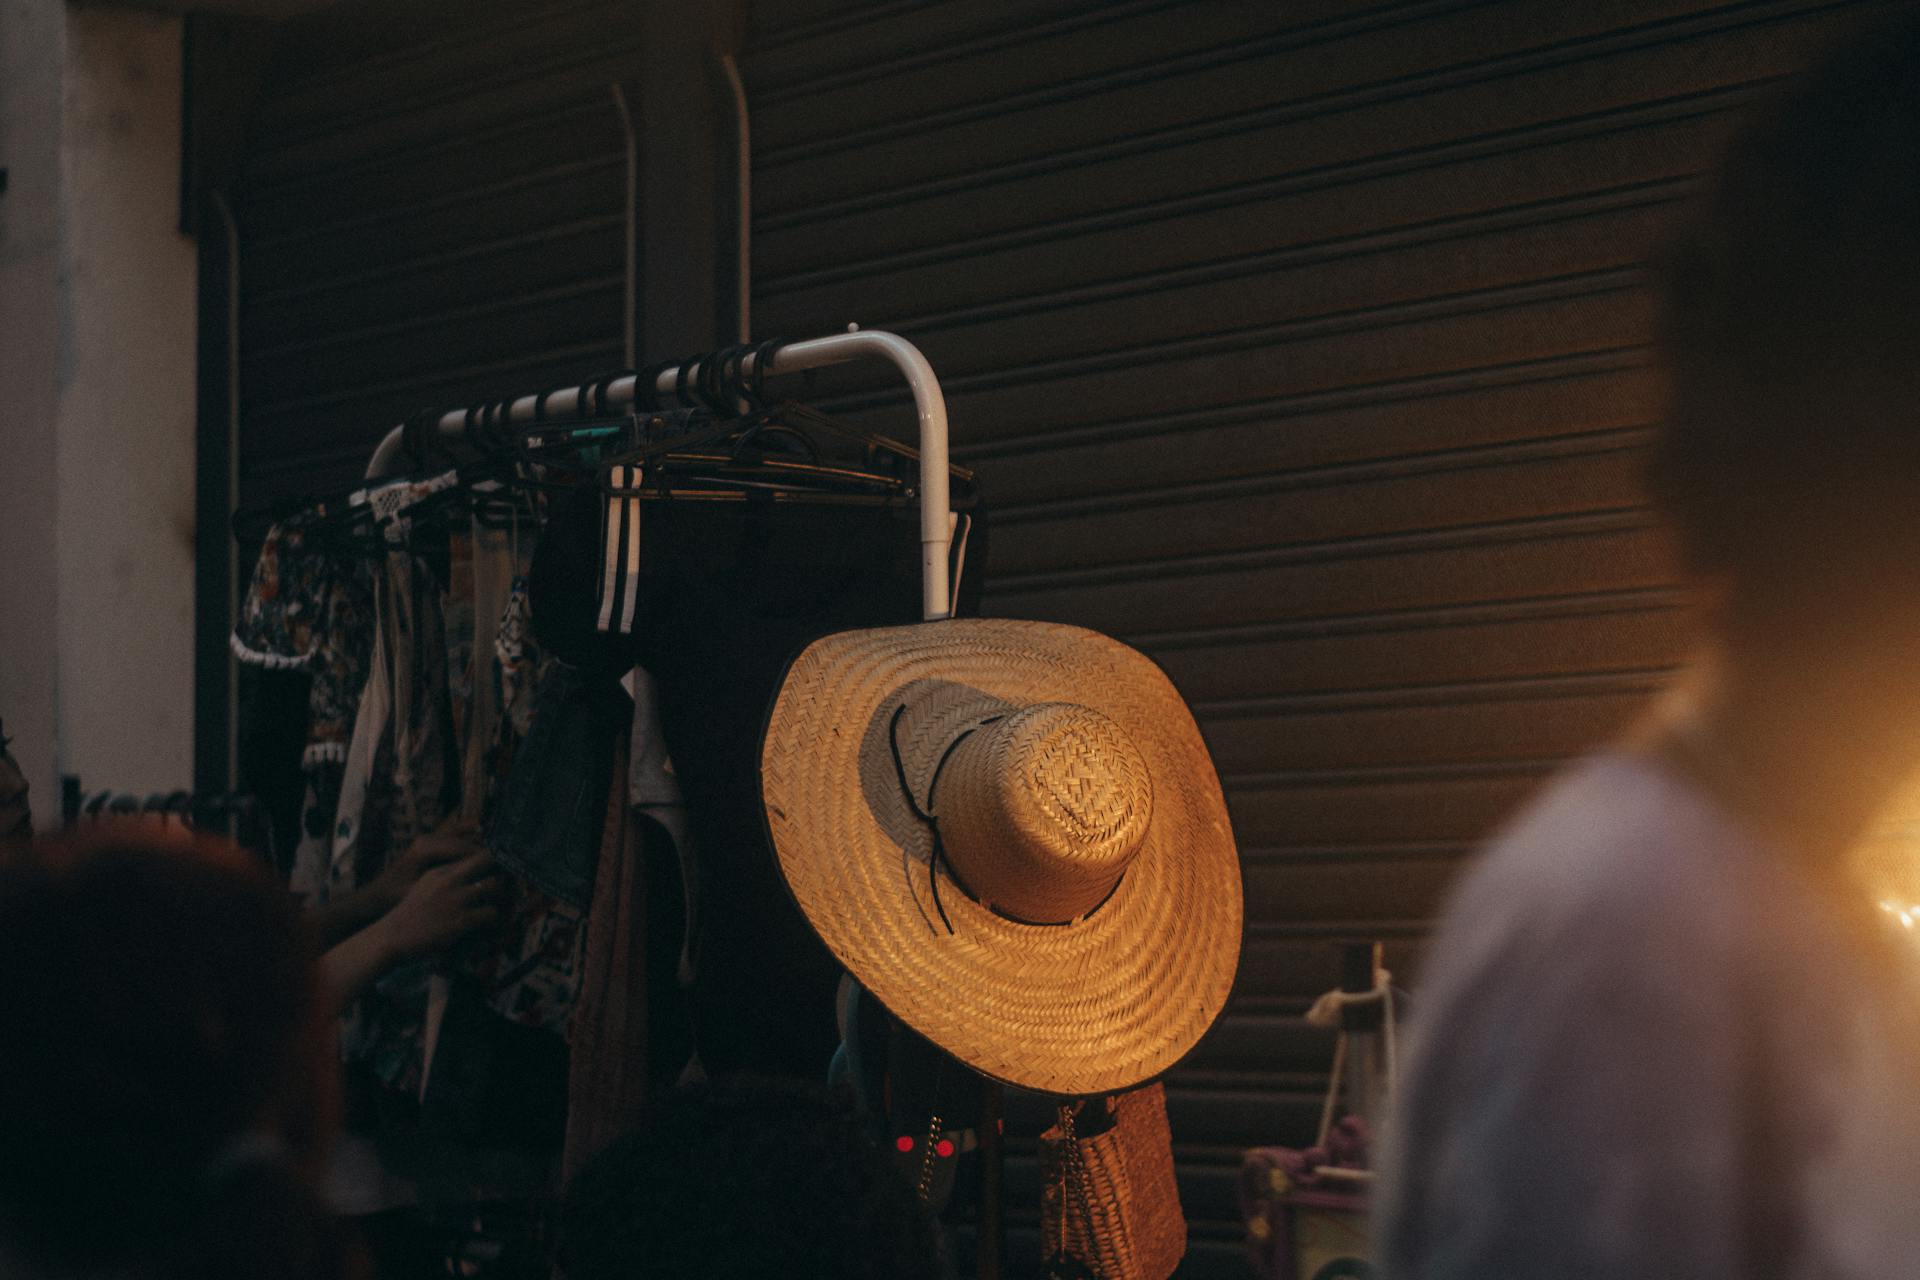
[546, 827]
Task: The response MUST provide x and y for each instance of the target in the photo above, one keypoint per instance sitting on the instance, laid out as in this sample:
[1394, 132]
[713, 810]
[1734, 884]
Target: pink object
[1302, 1222]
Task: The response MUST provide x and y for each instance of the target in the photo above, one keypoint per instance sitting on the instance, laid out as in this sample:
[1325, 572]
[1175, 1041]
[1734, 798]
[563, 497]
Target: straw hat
[1079, 929]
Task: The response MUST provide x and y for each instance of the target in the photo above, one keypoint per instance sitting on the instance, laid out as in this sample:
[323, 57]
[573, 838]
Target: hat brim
[1097, 1006]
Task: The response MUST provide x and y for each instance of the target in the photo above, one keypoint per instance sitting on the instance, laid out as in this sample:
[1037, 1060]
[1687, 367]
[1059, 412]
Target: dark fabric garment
[630, 1037]
[272, 729]
[426, 767]
[606, 1087]
[399, 1244]
[564, 581]
[730, 594]
[413, 784]
[308, 616]
[309, 608]
[494, 1081]
[546, 827]
[670, 1044]
[900, 1081]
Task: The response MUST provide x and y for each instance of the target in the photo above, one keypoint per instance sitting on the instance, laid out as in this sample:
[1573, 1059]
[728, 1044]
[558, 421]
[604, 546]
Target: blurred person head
[744, 1181]
[165, 1089]
[1790, 459]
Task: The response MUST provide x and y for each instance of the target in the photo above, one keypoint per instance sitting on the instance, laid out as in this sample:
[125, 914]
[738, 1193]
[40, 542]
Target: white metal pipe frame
[930, 405]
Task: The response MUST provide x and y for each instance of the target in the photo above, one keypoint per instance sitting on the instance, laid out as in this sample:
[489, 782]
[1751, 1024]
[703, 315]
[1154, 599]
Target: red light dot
[903, 1143]
[944, 1147]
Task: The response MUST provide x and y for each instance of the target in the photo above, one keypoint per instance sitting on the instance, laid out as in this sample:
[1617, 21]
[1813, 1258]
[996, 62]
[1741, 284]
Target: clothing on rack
[545, 828]
[607, 1079]
[327, 862]
[653, 791]
[631, 1035]
[518, 660]
[382, 1034]
[478, 700]
[490, 689]
[407, 764]
[532, 976]
[723, 595]
[426, 755]
[619, 553]
[309, 611]
[481, 1116]
[916, 1101]
[728, 596]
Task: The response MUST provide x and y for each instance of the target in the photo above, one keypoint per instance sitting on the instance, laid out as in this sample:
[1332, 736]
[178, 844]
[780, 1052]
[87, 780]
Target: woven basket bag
[1111, 1202]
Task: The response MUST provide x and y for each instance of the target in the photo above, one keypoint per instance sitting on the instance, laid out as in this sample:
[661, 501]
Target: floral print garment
[533, 974]
[308, 609]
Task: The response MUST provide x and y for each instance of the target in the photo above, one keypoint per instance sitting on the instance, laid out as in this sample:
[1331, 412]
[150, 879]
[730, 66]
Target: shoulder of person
[1615, 874]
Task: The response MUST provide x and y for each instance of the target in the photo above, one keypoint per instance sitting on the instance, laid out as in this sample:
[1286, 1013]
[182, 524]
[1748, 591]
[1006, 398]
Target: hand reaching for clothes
[452, 840]
[447, 901]
[452, 889]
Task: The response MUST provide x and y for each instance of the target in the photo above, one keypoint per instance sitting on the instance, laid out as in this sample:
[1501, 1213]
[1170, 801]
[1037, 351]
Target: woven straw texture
[1113, 1201]
[1094, 770]
[1043, 809]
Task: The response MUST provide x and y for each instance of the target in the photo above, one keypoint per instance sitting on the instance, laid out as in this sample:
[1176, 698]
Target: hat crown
[1085, 779]
[1042, 810]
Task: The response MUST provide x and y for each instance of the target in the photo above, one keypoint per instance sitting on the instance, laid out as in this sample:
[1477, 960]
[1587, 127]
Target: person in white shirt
[1662, 1030]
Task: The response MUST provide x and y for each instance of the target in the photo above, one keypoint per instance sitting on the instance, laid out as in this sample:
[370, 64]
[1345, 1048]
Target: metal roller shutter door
[1302, 346]
[433, 211]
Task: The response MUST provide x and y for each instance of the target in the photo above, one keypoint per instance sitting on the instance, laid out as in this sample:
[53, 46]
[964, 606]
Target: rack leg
[992, 1242]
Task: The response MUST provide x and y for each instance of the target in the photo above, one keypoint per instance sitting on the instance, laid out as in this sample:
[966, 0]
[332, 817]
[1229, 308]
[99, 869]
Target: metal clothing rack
[238, 815]
[936, 535]
[936, 523]
[76, 803]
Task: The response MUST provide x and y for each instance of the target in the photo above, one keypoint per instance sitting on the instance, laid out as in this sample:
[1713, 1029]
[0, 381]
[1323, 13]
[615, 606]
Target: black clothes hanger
[877, 447]
[713, 435]
[573, 438]
[773, 451]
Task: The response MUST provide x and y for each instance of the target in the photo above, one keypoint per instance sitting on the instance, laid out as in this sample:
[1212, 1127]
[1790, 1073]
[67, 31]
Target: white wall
[97, 296]
[32, 62]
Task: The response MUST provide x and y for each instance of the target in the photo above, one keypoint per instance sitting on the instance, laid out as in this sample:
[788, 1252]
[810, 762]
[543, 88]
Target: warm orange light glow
[1905, 915]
